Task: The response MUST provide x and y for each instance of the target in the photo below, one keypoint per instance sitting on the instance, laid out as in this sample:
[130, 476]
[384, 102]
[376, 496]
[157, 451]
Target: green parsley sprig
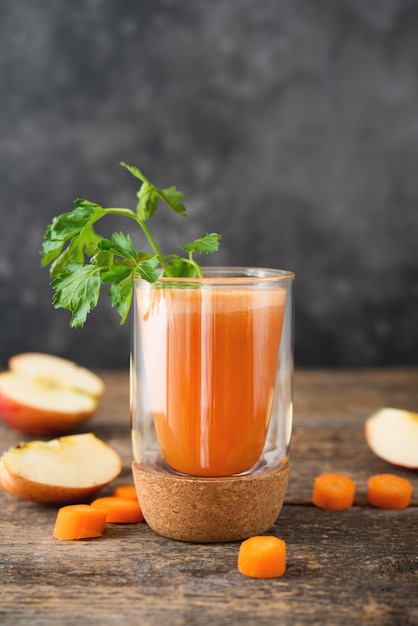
[81, 260]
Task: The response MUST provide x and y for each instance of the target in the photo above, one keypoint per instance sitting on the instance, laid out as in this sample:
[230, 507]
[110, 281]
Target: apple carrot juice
[211, 356]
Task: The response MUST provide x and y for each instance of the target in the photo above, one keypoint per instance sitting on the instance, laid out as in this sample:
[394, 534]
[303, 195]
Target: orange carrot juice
[211, 356]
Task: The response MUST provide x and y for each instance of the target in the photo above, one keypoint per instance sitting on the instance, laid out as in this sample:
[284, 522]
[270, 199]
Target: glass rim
[224, 274]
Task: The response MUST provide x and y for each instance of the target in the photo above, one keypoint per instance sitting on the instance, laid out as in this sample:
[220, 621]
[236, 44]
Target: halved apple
[60, 471]
[392, 434]
[43, 394]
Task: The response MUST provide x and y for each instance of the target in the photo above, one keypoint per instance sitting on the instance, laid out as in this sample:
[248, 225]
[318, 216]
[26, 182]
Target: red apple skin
[43, 395]
[39, 422]
[25, 489]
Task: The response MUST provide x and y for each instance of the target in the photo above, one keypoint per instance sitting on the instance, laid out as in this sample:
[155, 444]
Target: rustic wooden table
[354, 567]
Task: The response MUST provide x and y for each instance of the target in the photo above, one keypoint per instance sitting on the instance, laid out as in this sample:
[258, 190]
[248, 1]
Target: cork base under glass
[207, 510]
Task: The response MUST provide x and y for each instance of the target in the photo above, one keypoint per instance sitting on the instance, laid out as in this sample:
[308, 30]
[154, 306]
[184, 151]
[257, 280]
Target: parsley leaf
[207, 244]
[78, 291]
[147, 201]
[149, 195]
[121, 290]
[120, 245]
[75, 227]
[182, 268]
[174, 198]
[81, 261]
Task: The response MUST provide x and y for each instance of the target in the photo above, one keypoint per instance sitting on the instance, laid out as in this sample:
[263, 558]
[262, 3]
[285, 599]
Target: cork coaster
[207, 510]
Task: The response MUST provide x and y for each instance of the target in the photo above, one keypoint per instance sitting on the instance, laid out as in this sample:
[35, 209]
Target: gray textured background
[290, 125]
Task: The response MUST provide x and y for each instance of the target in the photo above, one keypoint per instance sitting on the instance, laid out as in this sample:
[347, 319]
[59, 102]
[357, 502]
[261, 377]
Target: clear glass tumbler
[212, 372]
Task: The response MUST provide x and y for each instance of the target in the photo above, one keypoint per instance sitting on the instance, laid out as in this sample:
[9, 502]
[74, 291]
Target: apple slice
[59, 471]
[54, 369]
[392, 434]
[43, 395]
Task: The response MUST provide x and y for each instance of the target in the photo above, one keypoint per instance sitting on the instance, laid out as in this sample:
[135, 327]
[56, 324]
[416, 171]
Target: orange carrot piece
[333, 492]
[388, 491]
[262, 556]
[79, 521]
[119, 510]
[125, 491]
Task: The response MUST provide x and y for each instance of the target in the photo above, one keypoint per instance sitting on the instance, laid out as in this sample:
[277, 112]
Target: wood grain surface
[353, 567]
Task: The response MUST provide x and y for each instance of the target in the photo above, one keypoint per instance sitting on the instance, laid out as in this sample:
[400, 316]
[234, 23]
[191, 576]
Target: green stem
[154, 246]
[195, 265]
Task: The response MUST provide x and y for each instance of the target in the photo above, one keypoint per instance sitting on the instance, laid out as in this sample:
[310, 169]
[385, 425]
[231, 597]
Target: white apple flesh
[392, 434]
[60, 471]
[53, 369]
[44, 395]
